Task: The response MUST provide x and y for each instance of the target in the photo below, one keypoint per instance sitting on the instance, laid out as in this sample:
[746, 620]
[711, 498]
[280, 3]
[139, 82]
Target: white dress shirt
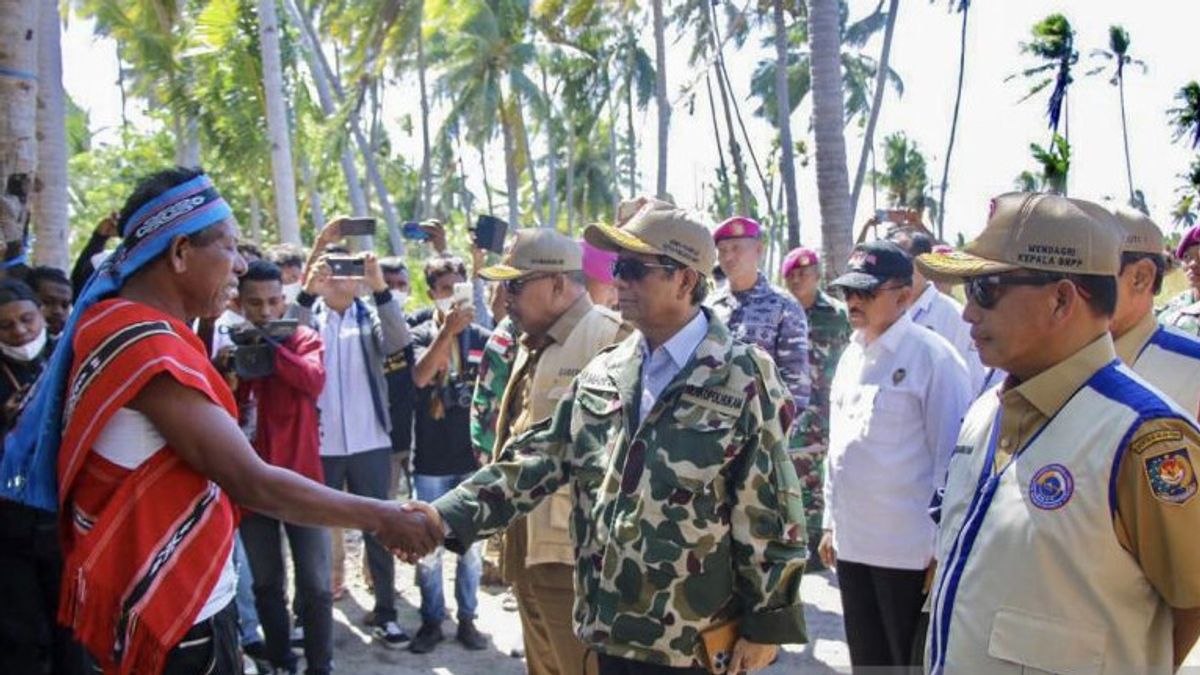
[347, 411]
[896, 405]
[660, 366]
[943, 315]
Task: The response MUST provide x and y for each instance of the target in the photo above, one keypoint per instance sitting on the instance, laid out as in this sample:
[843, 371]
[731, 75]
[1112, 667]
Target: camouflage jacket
[494, 371]
[828, 333]
[772, 319]
[687, 521]
[1182, 312]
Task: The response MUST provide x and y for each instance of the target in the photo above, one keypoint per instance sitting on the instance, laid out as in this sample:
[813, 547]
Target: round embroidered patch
[1051, 487]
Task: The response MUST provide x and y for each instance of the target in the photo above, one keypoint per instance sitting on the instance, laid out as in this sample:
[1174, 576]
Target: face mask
[400, 297]
[28, 351]
[444, 305]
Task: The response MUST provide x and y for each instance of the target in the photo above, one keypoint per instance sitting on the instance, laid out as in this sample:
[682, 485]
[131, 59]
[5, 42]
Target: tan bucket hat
[537, 250]
[1035, 231]
[659, 228]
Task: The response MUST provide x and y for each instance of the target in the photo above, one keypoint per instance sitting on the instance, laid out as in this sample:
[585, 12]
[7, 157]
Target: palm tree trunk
[876, 105]
[50, 189]
[511, 176]
[614, 118]
[519, 116]
[962, 69]
[660, 95]
[255, 218]
[426, 147]
[570, 172]
[1125, 136]
[787, 159]
[735, 148]
[722, 169]
[551, 159]
[283, 173]
[487, 185]
[319, 67]
[314, 193]
[829, 113]
[18, 104]
[630, 135]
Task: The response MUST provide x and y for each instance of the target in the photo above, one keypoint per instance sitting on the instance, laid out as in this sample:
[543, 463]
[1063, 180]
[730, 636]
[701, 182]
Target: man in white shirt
[939, 312]
[897, 400]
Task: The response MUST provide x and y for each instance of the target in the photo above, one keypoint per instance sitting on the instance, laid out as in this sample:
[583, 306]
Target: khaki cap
[1141, 234]
[537, 250]
[1035, 231]
[660, 228]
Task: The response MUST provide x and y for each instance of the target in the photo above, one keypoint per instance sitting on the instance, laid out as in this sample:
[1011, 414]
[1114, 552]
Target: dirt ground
[355, 652]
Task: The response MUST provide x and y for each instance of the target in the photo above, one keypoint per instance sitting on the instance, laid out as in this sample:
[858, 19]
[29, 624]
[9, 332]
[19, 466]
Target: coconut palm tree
[963, 7]
[787, 154]
[1054, 162]
[1053, 43]
[18, 110]
[663, 105]
[833, 181]
[876, 105]
[50, 199]
[1185, 211]
[283, 173]
[1185, 119]
[905, 176]
[1117, 54]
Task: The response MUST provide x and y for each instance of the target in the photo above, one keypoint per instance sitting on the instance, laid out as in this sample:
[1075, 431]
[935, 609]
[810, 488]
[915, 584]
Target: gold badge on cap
[738, 230]
[899, 375]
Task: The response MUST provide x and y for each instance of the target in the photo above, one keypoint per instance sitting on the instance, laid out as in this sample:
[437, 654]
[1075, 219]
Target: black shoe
[470, 637]
[390, 635]
[427, 638]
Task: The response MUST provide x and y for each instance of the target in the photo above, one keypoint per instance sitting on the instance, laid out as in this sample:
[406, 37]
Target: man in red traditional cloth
[151, 460]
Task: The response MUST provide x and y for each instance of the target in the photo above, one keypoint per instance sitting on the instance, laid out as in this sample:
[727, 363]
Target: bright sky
[994, 130]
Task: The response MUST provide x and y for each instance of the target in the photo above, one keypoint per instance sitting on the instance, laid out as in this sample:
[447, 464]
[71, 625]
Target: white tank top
[128, 440]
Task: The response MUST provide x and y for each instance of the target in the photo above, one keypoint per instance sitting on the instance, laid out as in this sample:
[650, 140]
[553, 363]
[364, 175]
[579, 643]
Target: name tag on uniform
[595, 381]
[725, 400]
[962, 450]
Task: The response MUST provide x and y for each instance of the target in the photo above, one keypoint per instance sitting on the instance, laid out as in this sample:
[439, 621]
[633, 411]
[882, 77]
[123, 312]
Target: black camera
[254, 347]
[457, 394]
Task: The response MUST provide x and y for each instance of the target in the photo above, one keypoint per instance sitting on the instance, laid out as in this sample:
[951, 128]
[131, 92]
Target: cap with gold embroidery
[537, 250]
[660, 228]
[1036, 231]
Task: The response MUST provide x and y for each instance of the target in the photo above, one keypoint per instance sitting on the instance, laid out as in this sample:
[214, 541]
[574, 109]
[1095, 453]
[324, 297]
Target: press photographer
[280, 372]
[448, 347]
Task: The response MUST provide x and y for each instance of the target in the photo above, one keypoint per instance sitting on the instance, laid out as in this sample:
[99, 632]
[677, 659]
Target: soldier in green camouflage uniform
[686, 513]
[828, 333]
[494, 371]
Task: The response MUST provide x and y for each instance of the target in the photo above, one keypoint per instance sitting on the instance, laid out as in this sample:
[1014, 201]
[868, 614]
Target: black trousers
[615, 665]
[209, 648]
[882, 611]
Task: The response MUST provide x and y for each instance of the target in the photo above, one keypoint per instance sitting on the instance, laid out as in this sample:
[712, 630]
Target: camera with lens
[254, 347]
[457, 394]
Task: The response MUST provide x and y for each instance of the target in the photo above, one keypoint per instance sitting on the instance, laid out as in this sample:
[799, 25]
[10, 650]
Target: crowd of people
[663, 440]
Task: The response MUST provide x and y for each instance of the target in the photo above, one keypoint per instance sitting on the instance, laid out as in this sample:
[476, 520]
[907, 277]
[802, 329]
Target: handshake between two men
[414, 530]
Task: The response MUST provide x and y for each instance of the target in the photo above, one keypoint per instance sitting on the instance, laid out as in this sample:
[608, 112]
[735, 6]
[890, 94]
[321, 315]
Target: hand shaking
[411, 530]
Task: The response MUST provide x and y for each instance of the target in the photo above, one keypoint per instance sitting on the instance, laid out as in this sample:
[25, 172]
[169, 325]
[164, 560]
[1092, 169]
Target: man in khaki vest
[561, 330]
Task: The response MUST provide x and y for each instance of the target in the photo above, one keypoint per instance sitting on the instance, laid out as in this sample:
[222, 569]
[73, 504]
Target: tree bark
[551, 159]
[1124, 134]
[962, 69]
[319, 67]
[660, 95]
[426, 146]
[18, 110]
[787, 159]
[722, 169]
[314, 194]
[50, 197]
[519, 116]
[829, 114]
[511, 178]
[283, 173]
[570, 172]
[876, 105]
[735, 149]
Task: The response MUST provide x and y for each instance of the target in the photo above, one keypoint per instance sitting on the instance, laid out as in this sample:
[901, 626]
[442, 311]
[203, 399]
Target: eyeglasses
[985, 291]
[514, 286]
[855, 293]
[628, 269]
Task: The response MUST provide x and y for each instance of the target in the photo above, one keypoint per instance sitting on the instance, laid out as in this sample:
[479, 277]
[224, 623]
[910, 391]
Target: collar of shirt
[682, 344]
[891, 338]
[1130, 345]
[1050, 389]
[921, 306]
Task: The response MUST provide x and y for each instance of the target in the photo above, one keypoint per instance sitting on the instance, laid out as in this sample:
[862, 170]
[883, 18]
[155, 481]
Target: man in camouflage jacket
[828, 334]
[686, 520]
[494, 370]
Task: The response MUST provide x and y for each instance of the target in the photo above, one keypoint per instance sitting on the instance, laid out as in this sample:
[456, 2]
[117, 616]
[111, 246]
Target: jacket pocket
[1044, 644]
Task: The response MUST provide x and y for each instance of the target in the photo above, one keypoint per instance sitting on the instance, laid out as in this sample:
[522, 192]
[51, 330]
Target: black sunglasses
[985, 291]
[628, 269]
[514, 286]
[855, 293]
